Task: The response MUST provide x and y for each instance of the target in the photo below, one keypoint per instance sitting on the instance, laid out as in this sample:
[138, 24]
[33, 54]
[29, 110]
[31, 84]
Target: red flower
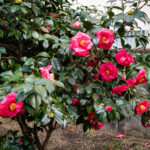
[22, 111]
[76, 24]
[81, 44]
[45, 72]
[123, 58]
[99, 126]
[108, 71]
[94, 124]
[47, 27]
[120, 136]
[55, 16]
[119, 89]
[96, 76]
[9, 107]
[92, 63]
[5, 26]
[75, 100]
[145, 124]
[91, 116]
[75, 89]
[108, 108]
[130, 82]
[140, 78]
[20, 142]
[106, 38]
[142, 107]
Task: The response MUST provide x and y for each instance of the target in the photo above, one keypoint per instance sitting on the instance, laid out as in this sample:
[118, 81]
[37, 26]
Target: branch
[47, 137]
[142, 6]
[10, 47]
[37, 138]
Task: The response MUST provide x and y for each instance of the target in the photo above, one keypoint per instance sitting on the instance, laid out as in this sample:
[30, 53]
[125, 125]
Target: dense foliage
[90, 82]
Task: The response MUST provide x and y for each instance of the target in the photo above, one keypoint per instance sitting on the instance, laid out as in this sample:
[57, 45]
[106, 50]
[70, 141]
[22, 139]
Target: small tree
[93, 81]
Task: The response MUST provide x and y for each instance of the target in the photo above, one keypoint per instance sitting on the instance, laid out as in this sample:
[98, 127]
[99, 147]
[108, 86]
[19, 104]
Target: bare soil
[73, 138]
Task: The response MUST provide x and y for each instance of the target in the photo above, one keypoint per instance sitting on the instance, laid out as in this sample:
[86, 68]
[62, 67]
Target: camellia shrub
[59, 64]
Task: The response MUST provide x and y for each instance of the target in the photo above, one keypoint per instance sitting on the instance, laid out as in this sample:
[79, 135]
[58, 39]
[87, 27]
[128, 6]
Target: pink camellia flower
[55, 16]
[76, 24]
[130, 82]
[91, 116]
[120, 136]
[45, 72]
[9, 107]
[20, 142]
[47, 27]
[106, 38]
[140, 78]
[99, 126]
[75, 100]
[81, 44]
[123, 58]
[119, 89]
[142, 107]
[108, 108]
[108, 71]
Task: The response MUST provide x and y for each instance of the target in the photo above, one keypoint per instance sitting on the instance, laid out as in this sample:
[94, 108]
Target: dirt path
[73, 138]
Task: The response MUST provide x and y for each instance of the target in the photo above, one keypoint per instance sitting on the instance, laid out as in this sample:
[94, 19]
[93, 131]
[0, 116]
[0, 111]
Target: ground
[73, 138]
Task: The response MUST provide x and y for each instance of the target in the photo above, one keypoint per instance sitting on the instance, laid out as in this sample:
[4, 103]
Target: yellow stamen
[12, 106]
[107, 72]
[52, 75]
[18, 1]
[104, 39]
[141, 80]
[82, 43]
[102, 104]
[51, 115]
[142, 107]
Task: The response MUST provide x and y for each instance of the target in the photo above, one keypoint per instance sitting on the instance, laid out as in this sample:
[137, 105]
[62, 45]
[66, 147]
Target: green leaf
[24, 10]
[58, 113]
[20, 87]
[7, 74]
[55, 63]
[21, 96]
[121, 103]
[32, 101]
[80, 90]
[71, 81]
[2, 50]
[46, 44]
[98, 108]
[44, 29]
[102, 116]
[27, 4]
[50, 88]
[35, 35]
[88, 89]
[117, 115]
[83, 101]
[45, 120]
[1, 1]
[40, 90]
[87, 24]
[111, 115]
[14, 8]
